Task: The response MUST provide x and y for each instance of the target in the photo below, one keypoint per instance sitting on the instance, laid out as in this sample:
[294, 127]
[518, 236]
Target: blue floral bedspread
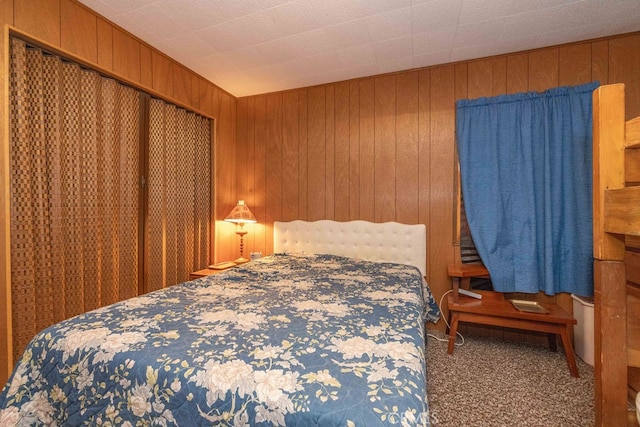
[285, 340]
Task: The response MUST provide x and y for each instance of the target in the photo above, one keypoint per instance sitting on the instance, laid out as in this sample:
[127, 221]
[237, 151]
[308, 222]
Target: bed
[616, 237]
[327, 331]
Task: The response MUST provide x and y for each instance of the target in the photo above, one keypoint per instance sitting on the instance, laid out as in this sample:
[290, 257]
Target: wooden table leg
[452, 332]
[568, 351]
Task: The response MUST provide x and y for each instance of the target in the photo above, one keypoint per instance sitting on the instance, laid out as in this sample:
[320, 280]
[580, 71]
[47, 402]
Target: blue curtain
[525, 163]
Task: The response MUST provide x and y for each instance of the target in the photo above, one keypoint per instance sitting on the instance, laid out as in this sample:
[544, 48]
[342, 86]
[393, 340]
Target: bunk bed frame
[616, 251]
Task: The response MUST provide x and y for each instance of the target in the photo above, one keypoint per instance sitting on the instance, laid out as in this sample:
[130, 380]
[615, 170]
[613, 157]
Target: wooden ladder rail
[612, 219]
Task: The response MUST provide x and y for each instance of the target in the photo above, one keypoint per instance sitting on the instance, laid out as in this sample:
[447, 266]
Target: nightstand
[207, 272]
[496, 310]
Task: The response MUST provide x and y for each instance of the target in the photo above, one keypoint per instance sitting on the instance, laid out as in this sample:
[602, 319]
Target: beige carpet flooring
[487, 382]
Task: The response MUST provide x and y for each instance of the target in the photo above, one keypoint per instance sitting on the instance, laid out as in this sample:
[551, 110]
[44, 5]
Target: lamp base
[241, 260]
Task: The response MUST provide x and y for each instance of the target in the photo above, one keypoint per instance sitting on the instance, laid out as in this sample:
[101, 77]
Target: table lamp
[240, 215]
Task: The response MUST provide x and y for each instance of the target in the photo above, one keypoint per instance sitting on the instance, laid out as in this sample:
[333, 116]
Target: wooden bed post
[609, 268]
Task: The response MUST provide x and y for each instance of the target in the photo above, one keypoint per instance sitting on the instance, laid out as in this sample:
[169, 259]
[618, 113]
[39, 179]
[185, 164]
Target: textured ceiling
[257, 46]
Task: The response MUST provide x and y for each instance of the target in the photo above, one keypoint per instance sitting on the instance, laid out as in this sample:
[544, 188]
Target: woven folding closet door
[178, 230]
[74, 161]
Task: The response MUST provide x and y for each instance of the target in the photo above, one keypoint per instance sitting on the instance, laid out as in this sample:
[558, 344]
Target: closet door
[74, 166]
[179, 180]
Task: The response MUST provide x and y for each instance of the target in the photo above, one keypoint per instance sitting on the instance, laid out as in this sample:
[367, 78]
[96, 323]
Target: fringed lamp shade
[241, 215]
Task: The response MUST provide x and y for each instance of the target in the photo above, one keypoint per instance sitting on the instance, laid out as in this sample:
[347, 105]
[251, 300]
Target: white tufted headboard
[383, 242]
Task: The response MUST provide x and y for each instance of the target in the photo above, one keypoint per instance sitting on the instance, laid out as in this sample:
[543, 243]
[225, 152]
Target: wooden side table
[494, 309]
[462, 274]
[206, 272]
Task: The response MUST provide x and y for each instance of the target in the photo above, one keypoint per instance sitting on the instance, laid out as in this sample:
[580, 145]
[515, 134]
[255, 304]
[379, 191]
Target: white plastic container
[583, 339]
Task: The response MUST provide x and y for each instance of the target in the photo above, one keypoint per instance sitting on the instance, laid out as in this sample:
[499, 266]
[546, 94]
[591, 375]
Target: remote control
[469, 293]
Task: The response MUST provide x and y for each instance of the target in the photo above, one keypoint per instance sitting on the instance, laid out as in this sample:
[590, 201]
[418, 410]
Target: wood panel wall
[382, 148]
[73, 30]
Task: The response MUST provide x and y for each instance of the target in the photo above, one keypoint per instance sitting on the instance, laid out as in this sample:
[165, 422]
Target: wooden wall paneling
[221, 249]
[205, 97]
[146, 66]
[163, 77]
[39, 18]
[367, 147]
[227, 119]
[303, 163]
[565, 301]
[499, 76]
[441, 177]
[461, 92]
[543, 69]
[260, 150]
[316, 201]
[407, 152]
[517, 73]
[195, 90]
[354, 149]
[342, 152]
[273, 165]
[385, 148]
[247, 166]
[78, 30]
[480, 79]
[242, 130]
[181, 83]
[461, 83]
[600, 61]
[574, 64]
[226, 242]
[624, 63]
[330, 148]
[424, 158]
[290, 156]
[216, 93]
[6, 12]
[105, 44]
[126, 56]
